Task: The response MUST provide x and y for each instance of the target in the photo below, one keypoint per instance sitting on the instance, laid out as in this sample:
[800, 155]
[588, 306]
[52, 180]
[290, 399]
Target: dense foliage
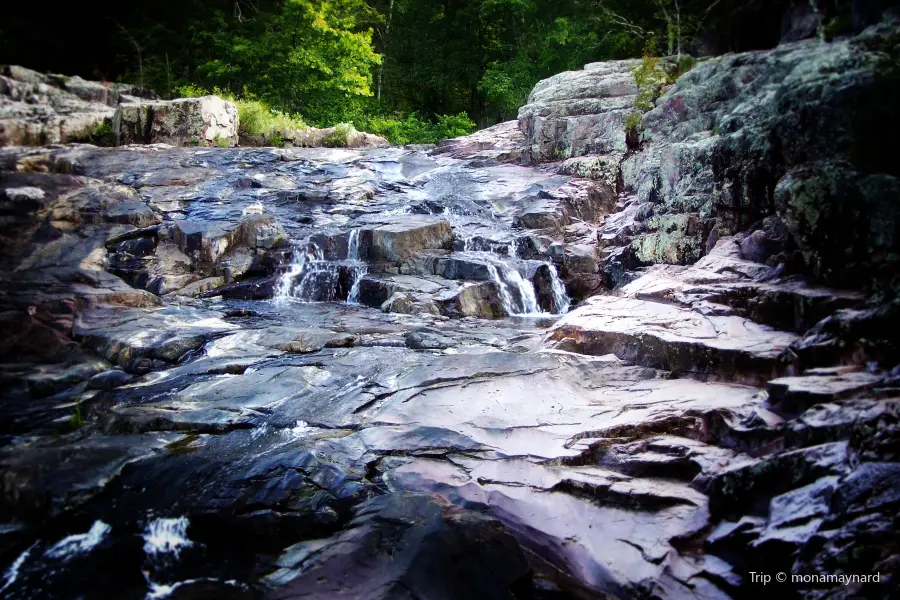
[394, 67]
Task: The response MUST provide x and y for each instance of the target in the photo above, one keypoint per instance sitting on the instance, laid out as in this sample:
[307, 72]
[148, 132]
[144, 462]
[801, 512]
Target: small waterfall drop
[560, 298]
[516, 294]
[357, 266]
[312, 278]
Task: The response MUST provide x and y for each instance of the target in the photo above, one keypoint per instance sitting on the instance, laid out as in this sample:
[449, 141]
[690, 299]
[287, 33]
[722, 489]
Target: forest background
[410, 70]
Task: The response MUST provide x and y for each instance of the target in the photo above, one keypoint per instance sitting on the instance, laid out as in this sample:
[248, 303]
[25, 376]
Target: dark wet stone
[427, 339]
[415, 546]
[108, 380]
[750, 487]
[254, 289]
[472, 300]
[796, 394]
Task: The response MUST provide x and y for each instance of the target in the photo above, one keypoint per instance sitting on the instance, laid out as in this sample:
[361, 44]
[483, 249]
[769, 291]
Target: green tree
[303, 58]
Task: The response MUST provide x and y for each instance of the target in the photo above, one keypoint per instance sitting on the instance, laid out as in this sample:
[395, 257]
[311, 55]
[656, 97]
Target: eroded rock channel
[443, 373]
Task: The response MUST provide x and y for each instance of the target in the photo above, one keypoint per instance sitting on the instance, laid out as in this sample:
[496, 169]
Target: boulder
[204, 121]
[375, 290]
[472, 300]
[427, 339]
[397, 242]
[34, 112]
[410, 304]
[795, 130]
[751, 486]
[501, 143]
[796, 394]
[579, 112]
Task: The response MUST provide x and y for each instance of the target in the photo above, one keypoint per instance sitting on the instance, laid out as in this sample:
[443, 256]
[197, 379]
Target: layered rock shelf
[534, 362]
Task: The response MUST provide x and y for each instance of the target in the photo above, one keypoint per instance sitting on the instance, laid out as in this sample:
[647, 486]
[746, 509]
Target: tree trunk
[678, 26]
[384, 42]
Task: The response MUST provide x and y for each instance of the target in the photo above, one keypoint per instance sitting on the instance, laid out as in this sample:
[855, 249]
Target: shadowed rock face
[247, 373]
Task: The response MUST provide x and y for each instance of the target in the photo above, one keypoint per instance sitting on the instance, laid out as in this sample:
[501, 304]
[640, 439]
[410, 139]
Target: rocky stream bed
[444, 372]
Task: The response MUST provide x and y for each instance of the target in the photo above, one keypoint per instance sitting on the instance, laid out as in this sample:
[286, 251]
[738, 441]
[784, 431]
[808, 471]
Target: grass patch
[76, 421]
[257, 118]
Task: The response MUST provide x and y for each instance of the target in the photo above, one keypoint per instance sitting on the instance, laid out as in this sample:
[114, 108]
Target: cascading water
[560, 298]
[311, 278]
[357, 265]
[516, 294]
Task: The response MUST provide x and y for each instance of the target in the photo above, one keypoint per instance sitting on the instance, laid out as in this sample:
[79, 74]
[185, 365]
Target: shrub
[633, 121]
[684, 64]
[256, 118]
[103, 135]
[340, 137]
[413, 130]
[648, 80]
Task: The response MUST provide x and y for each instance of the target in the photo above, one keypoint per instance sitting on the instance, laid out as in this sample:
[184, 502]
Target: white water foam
[510, 280]
[12, 573]
[166, 536]
[80, 543]
[301, 429]
[259, 431]
[158, 591]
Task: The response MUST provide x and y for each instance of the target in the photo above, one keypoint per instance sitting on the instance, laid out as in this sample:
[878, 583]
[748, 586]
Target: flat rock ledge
[726, 348]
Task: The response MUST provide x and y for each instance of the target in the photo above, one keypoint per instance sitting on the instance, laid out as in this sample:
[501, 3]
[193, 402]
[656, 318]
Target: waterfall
[516, 294]
[560, 298]
[357, 266]
[311, 278]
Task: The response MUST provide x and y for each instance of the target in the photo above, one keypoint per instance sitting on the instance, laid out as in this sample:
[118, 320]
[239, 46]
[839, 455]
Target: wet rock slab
[667, 337]
[132, 337]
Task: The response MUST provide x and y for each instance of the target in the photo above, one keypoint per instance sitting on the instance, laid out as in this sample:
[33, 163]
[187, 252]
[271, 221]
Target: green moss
[220, 141]
[837, 25]
[184, 445]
